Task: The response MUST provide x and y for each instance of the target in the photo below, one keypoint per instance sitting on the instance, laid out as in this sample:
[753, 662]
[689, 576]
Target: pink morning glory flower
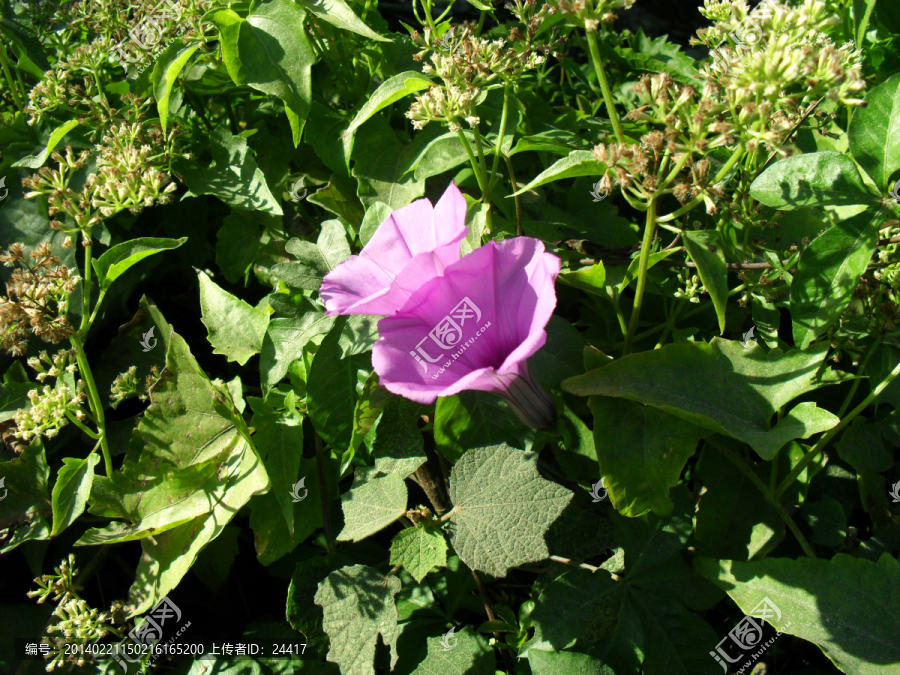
[474, 327]
[415, 243]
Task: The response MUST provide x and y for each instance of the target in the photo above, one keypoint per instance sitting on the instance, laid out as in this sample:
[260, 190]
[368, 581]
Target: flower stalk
[646, 245]
[608, 100]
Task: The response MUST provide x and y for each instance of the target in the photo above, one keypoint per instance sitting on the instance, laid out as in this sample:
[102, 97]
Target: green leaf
[648, 607]
[371, 506]
[473, 418]
[233, 176]
[369, 407]
[399, 447]
[358, 605]
[561, 357]
[590, 279]
[862, 447]
[338, 13]
[236, 329]
[874, 132]
[802, 422]
[269, 51]
[381, 163]
[827, 520]
[376, 214]
[37, 161]
[718, 386]
[502, 509]
[332, 389]
[167, 68]
[339, 197]
[817, 179]
[705, 249]
[303, 613]
[733, 518]
[26, 502]
[442, 154]
[642, 451]
[72, 489]
[570, 663]
[358, 335]
[314, 260]
[279, 440]
[469, 655]
[390, 91]
[117, 260]
[634, 266]
[189, 456]
[419, 549]
[828, 272]
[271, 537]
[575, 452]
[237, 244]
[848, 607]
[22, 36]
[577, 163]
[284, 341]
[187, 473]
[215, 561]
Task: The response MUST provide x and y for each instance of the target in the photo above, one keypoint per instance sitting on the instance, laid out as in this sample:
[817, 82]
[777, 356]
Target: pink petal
[411, 246]
[510, 284]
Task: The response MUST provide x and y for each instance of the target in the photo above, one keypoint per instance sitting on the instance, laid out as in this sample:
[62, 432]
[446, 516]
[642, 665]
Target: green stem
[827, 438]
[96, 308]
[697, 310]
[735, 156]
[646, 245]
[604, 85]
[862, 367]
[86, 287]
[472, 160]
[480, 174]
[499, 147]
[515, 187]
[621, 317]
[94, 401]
[74, 420]
[4, 60]
[671, 322]
[766, 493]
[426, 7]
[323, 495]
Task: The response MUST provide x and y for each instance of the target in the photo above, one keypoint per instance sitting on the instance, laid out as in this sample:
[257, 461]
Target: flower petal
[411, 246]
[473, 327]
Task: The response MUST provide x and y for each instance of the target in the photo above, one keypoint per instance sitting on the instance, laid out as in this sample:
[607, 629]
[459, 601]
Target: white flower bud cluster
[48, 411]
[468, 65]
